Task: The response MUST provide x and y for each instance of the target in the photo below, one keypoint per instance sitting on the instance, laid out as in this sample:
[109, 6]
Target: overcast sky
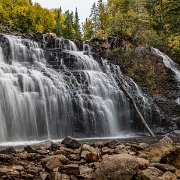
[84, 6]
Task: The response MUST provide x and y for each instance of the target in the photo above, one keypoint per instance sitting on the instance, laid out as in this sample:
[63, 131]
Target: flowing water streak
[171, 65]
[37, 102]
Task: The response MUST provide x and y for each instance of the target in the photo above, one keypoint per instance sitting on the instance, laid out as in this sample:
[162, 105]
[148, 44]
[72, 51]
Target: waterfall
[172, 66]
[80, 97]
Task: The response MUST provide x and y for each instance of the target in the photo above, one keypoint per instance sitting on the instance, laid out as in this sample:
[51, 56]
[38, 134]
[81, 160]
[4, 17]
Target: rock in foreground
[111, 160]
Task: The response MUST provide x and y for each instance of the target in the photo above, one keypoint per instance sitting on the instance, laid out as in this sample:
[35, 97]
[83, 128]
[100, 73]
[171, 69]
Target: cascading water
[80, 98]
[172, 66]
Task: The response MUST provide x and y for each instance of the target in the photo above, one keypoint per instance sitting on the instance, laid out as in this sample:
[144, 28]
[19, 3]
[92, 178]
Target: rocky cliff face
[146, 68]
[155, 76]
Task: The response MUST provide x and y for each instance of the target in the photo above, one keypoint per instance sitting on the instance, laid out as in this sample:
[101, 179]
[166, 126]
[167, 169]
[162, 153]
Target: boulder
[111, 144]
[65, 177]
[85, 170]
[167, 176]
[61, 158]
[26, 175]
[74, 157]
[90, 153]
[119, 167]
[71, 143]
[65, 151]
[33, 168]
[70, 169]
[163, 167]
[143, 145]
[163, 147]
[7, 158]
[17, 168]
[177, 173]
[166, 141]
[143, 163]
[46, 145]
[35, 149]
[54, 176]
[143, 155]
[151, 173]
[106, 150]
[172, 157]
[52, 164]
[120, 149]
[43, 175]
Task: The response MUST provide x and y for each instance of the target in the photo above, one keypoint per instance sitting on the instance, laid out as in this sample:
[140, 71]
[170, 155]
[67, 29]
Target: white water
[82, 100]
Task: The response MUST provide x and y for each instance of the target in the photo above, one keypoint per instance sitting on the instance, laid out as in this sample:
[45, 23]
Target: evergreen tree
[88, 31]
[59, 25]
[77, 26]
[94, 17]
[69, 31]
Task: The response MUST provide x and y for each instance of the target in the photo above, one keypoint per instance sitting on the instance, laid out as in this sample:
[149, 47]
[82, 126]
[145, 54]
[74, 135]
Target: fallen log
[137, 110]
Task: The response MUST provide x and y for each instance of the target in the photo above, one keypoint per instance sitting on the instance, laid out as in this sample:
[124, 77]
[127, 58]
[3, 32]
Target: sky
[84, 6]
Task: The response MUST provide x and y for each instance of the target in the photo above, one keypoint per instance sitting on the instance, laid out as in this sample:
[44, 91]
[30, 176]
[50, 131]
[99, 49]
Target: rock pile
[101, 160]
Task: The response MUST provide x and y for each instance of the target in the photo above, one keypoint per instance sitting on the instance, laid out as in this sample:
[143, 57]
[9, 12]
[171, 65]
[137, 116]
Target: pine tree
[94, 17]
[59, 28]
[88, 32]
[68, 32]
[77, 26]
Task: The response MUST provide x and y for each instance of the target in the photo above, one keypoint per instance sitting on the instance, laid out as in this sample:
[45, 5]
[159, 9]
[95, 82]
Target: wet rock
[121, 166]
[163, 167]
[111, 144]
[71, 143]
[36, 149]
[8, 151]
[45, 145]
[7, 158]
[167, 176]
[65, 151]
[52, 164]
[151, 173]
[30, 149]
[70, 169]
[106, 150]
